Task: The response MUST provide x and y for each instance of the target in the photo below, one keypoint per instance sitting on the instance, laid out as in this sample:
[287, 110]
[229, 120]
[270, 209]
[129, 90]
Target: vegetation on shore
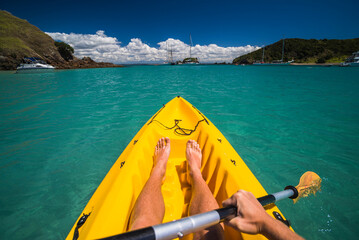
[65, 50]
[19, 39]
[190, 60]
[304, 51]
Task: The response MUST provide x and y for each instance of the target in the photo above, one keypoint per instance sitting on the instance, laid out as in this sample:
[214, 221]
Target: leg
[149, 207]
[202, 199]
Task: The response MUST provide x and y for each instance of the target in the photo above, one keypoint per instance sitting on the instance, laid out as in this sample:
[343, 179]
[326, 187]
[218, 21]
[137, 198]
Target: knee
[142, 223]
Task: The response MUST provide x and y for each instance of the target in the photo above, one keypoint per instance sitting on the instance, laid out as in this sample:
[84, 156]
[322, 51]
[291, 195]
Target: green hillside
[304, 51]
[19, 39]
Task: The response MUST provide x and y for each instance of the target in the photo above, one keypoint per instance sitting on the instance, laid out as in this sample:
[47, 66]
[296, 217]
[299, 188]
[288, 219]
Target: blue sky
[224, 23]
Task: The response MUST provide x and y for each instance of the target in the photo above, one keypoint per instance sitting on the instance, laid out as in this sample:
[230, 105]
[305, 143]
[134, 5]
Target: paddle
[309, 183]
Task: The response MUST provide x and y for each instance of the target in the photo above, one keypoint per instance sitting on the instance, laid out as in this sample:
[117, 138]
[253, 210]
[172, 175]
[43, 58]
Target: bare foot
[162, 152]
[194, 157]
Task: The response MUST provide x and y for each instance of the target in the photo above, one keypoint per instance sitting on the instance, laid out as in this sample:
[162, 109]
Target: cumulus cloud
[101, 47]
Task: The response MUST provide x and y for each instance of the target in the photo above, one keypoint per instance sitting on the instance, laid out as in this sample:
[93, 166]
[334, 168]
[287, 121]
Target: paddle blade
[309, 183]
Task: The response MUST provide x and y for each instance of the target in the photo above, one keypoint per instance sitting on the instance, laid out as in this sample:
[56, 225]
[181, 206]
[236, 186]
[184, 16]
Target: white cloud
[101, 47]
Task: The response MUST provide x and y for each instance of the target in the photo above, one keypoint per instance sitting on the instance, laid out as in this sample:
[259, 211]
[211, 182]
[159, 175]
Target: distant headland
[20, 39]
[303, 51]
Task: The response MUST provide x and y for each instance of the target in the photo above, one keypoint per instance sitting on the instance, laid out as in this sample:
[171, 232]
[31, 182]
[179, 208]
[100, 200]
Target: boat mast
[171, 56]
[263, 55]
[190, 45]
[282, 51]
[167, 52]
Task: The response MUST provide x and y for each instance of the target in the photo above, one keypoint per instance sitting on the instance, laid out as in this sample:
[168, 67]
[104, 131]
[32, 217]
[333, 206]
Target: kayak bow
[224, 171]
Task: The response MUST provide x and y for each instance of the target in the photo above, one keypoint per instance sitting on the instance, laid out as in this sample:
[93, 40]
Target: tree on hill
[65, 50]
[190, 60]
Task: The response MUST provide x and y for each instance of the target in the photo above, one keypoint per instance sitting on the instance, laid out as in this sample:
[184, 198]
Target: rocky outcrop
[85, 62]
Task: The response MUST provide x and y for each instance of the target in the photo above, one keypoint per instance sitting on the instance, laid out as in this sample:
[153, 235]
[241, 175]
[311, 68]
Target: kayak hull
[224, 171]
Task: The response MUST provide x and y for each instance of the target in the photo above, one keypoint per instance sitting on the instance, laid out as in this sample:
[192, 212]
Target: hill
[19, 39]
[304, 51]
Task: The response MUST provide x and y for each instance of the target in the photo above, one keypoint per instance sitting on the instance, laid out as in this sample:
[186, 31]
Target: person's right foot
[194, 157]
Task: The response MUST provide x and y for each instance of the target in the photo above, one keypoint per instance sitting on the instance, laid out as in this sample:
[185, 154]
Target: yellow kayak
[222, 168]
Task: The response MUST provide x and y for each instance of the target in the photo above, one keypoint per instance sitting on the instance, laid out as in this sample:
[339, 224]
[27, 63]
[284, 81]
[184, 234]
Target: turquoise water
[61, 132]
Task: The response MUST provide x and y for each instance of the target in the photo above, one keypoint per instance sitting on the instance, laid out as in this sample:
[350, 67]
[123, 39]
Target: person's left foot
[161, 155]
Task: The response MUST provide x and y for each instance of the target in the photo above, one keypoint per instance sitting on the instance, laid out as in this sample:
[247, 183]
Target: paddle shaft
[181, 227]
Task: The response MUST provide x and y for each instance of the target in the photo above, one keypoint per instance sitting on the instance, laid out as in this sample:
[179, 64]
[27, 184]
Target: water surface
[61, 132]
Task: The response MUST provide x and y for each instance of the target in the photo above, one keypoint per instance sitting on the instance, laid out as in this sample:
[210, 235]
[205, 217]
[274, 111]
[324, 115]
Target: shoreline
[315, 64]
[111, 65]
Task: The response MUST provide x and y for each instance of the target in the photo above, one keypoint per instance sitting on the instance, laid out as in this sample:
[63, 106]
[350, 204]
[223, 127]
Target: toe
[193, 143]
[161, 143]
[168, 141]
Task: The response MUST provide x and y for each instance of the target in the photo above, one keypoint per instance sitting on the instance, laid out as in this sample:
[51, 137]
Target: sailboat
[262, 62]
[190, 60]
[275, 62]
[169, 56]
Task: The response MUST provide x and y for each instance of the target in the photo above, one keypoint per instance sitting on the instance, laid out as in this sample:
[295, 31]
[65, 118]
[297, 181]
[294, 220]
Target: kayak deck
[222, 168]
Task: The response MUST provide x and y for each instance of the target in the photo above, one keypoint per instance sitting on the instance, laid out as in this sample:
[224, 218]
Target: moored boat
[169, 56]
[109, 209]
[190, 60]
[275, 62]
[34, 65]
[352, 61]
